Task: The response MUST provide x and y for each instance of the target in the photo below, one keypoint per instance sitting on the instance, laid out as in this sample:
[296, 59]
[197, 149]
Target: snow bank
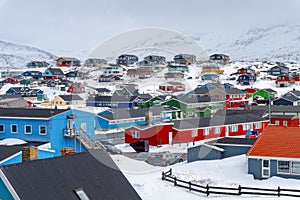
[11, 141]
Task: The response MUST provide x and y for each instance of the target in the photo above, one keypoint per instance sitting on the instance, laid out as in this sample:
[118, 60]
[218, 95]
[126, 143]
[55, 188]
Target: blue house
[53, 73]
[246, 79]
[118, 118]
[275, 153]
[127, 59]
[220, 149]
[178, 68]
[25, 91]
[32, 74]
[115, 102]
[62, 128]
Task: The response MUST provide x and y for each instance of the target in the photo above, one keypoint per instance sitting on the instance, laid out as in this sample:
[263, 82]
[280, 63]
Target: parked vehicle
[112, 149]
[164, 159]
[143, 156]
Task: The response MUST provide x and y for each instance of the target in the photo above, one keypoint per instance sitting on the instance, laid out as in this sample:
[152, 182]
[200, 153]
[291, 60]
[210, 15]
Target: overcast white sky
[78, 25]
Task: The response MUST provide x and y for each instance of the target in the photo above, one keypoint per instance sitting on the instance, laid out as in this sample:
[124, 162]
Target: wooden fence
[208, 189]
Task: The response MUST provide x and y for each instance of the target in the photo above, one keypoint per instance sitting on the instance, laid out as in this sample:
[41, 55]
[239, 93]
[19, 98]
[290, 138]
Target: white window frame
[194, 133]
[258, 125]
[40, 130]
[11, 129]
[206, 131]
[217, 130]
[83, 126]
[265, 168]
[278, 172]
[277, 122]
[3, 128]
[135, 134]
[234, 128]
[25, 129]
[246, 127]
[291, 166]
[285, 123]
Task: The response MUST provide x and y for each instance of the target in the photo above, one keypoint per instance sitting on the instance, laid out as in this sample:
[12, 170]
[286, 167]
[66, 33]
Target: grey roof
[256, 110]
[29, 112]
[71, 97]
[145, 97]
[56, 71]
[295, 92]
[270, 90]
[133, 113]
[57, 178]
[289, 97]
[233, 141]
[21, 89]
[216, 120]
[7, 151]
[111, 99]
[234, 91]
[282, 116]
[189, 100]
[102, 90]
[285, 108]
[8, 96]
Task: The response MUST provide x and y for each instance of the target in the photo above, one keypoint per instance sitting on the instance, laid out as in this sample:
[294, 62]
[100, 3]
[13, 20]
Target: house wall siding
[203, 153]
[4, 192]
[255, 167]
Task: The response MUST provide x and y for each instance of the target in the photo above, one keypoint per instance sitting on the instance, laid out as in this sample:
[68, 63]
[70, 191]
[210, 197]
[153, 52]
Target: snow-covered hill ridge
[276, 43]
[17, 56]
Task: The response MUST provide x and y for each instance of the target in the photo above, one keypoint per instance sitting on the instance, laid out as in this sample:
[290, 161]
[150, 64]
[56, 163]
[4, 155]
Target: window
[234, 128]
[194, 133]
[296, 167]
[27, 129]
[42, 130]
[217, 130]
[83, 126]
[246, 127]
[2, 128]
[135, 134]
[206, 131]
[283, 167]
[285, 123]
[277, 122]
[81, 194]
[258, 125]
[14, 128]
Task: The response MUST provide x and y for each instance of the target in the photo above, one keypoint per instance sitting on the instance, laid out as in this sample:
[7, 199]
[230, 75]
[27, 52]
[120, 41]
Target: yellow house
[64, 100]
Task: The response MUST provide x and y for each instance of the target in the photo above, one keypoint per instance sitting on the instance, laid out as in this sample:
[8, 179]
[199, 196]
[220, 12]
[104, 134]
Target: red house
[283, 81]
[297, 80]
[156, 134]
[196, 129]
[285, 115]
[76, 88]
[10, 80]
[172, 86]
[235, 98]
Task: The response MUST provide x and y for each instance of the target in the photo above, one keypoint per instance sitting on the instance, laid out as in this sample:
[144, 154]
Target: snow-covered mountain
[17, 56]
[276, 43]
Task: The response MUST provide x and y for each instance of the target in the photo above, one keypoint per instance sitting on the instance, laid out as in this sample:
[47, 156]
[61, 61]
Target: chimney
[29, 153]
[149, 117]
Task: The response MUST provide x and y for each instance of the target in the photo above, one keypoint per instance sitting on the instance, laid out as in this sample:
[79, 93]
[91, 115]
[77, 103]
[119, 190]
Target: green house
[265, 93]
[195, 106]
[147, 102]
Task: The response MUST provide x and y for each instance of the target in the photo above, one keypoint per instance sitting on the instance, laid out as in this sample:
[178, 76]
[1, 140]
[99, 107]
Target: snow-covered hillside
[276, 43]
[17, 56]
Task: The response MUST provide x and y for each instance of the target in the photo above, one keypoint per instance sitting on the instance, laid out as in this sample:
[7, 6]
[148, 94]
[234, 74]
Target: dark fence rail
[208, 189]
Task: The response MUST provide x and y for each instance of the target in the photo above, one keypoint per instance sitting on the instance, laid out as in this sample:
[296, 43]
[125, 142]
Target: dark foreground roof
[7, 151]
[29, 112]
[57, 178]
[234, 141]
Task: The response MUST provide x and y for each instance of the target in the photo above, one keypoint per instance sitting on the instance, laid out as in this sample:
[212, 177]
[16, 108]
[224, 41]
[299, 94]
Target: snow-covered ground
[230, 172]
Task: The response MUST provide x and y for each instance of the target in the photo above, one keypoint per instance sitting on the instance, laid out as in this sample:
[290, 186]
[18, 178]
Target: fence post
[240, 189]
[170, 171]
[163, 176]
[175, 181]
[278, 191]
[207, 190]
[190, 186]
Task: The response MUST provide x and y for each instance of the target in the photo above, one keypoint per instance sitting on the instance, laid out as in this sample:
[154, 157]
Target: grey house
[275, 153]
[220, 148]
[278, 70]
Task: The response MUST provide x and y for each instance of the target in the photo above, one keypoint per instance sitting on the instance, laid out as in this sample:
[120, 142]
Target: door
[265, 168]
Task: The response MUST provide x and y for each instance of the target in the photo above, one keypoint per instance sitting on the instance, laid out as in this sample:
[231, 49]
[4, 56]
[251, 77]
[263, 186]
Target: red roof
[277, 141]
